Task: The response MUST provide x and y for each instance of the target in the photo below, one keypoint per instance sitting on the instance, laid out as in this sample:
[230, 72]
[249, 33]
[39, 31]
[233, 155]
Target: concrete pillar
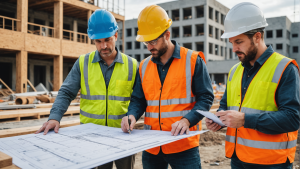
[21, 74]
[75, 30]
[58, 19]
[22, 15]
[225, 78]
[181, 14]
[57, 72]
[89, 13]
[194, 12]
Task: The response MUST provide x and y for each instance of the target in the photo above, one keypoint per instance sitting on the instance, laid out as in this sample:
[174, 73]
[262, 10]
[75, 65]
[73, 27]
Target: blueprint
[82, 146]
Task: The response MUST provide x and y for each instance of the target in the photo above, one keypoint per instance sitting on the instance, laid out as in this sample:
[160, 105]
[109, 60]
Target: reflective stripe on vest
[167, 114]
[262, 144]
[279, 70]
[266, 144]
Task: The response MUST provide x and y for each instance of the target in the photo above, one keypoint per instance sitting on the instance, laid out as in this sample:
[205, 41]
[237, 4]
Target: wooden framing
[6, 86]
[24, 41]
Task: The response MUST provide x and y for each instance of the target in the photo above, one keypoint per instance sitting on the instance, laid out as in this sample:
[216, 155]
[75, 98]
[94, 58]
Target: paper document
[211, 116]
[82, 146]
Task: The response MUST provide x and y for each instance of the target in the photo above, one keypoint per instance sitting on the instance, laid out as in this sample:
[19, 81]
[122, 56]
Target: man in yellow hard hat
[172, 84]
[261, 103]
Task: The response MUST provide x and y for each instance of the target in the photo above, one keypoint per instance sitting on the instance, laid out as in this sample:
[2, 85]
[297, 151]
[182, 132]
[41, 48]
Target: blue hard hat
[102, 24]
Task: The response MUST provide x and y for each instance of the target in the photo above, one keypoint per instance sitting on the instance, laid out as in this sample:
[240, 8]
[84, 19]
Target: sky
[270, 8]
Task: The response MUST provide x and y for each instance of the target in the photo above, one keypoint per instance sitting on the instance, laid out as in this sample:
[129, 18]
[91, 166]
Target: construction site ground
[212, 149]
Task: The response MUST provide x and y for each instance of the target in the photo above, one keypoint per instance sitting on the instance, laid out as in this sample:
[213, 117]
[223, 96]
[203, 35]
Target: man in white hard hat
[260, 106]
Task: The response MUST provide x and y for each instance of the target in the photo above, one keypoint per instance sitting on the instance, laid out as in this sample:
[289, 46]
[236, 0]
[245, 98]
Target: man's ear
[116, 35]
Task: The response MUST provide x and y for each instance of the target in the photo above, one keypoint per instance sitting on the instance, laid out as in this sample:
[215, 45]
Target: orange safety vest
[250, 145]
[169, 103]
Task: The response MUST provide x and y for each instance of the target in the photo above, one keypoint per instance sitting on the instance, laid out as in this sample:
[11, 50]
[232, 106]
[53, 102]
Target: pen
[129, 122]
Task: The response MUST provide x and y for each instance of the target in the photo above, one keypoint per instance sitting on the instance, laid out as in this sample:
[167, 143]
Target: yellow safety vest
[101, 105]
[252, 146]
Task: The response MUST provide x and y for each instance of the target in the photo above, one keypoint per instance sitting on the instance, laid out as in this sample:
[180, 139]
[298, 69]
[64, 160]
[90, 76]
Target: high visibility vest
[169, 103]
[252, 146]
[105, 105]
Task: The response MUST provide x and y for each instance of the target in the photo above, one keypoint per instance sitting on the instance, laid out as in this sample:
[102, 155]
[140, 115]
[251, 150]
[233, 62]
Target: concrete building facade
[199, 24]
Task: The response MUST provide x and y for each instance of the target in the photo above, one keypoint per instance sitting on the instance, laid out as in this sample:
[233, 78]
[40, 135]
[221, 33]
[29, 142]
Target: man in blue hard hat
[105, 89]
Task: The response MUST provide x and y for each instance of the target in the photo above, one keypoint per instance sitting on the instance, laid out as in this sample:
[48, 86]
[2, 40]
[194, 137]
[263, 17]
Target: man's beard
[160, 52]
[106, 54]
[251, 53]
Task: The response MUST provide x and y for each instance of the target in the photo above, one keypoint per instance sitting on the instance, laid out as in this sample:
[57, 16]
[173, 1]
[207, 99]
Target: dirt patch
[211, 138]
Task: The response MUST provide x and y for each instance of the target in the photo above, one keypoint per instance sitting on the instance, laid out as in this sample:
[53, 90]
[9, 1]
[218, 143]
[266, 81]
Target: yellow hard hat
[152, 22]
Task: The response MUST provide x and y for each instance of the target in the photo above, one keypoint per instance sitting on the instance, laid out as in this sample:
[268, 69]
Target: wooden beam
[5, 160]
[58, 19]
[6, 86]
[21, 64]
[57, 72]
[22, 15]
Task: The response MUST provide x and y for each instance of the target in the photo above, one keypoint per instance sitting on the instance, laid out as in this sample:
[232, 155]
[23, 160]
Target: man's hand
[124, 124]
[212, 125]
[51, 124]
[232, 118]
[180, 126]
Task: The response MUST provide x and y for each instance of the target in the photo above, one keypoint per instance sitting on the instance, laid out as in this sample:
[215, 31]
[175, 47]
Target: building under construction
[40, 40]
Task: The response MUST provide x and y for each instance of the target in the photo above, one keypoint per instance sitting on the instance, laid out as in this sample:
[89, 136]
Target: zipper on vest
[159, 107]
[106, 107]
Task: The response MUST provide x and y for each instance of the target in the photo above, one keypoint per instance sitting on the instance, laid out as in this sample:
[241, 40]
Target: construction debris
[41, 87]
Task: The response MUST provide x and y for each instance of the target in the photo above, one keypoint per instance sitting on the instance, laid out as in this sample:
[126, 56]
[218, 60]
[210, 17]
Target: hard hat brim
[230, 34]
[102, 35]
[146, 38]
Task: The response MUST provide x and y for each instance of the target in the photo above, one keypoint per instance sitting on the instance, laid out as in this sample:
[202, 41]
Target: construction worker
[106, 78]
[172, 84]
[260, 106]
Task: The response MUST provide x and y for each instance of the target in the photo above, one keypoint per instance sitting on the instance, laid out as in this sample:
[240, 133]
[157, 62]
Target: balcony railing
[41, 30]
[81, 37]
[8, 23]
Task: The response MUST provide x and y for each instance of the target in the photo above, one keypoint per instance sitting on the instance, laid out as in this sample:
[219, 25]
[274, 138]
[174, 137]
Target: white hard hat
[242, 18]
